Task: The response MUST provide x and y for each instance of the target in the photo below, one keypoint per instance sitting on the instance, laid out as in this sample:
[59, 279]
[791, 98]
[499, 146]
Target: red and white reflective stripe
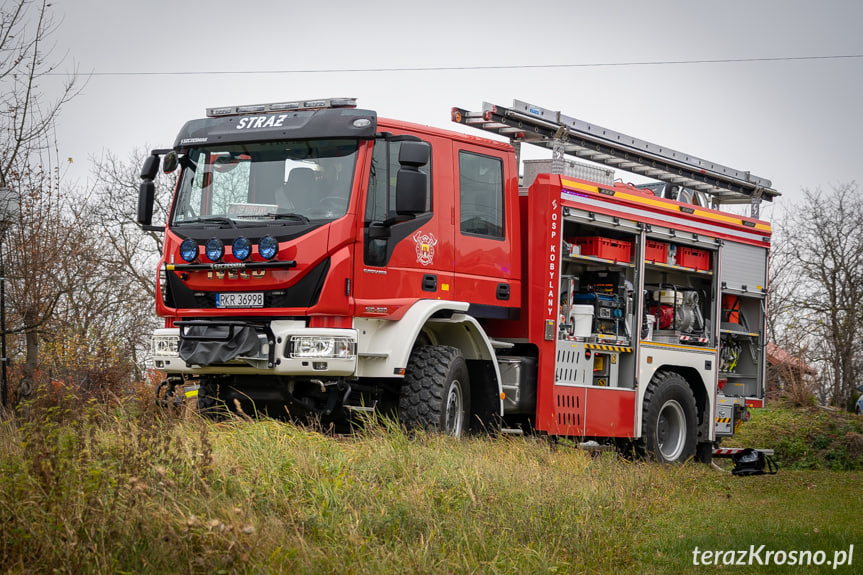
[727, 450]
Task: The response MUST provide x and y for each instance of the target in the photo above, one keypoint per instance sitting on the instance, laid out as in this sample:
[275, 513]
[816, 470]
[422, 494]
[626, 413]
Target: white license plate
[240, 299]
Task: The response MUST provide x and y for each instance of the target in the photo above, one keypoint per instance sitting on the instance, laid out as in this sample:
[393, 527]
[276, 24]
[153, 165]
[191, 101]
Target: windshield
[291, 181]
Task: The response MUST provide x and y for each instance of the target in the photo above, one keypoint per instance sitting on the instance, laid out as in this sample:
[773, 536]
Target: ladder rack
[525, 122]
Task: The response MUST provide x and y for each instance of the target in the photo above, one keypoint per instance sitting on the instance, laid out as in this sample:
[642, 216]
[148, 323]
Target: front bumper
[286, 347]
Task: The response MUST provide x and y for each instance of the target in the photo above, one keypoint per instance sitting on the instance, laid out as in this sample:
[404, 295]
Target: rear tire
[669, 424]
[435, 394]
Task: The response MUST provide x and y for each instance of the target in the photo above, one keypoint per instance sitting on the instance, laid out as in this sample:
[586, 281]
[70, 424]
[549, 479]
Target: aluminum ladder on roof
[524, 122]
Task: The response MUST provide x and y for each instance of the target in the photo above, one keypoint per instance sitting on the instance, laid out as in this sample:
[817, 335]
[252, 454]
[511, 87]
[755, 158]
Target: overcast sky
[795, 121]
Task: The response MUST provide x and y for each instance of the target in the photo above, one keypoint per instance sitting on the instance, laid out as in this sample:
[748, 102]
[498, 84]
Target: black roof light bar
[282, 107]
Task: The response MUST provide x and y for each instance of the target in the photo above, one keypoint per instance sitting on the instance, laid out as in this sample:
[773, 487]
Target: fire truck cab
[321, 261]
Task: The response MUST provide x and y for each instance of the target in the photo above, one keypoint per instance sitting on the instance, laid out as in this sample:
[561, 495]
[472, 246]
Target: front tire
[669, 424]
[435, 394]
[210, 404]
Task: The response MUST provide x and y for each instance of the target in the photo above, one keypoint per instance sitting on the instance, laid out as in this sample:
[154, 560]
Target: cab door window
[382, 228]
[381, 204]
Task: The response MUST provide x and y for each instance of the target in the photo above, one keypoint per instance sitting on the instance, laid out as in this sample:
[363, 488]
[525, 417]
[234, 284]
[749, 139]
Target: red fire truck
[322, 261]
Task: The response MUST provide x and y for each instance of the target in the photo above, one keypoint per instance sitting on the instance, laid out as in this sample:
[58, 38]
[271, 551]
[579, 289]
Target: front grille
[304, 293]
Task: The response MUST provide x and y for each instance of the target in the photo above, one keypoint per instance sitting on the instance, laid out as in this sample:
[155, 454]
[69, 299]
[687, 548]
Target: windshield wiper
[211, 220]
[289, 216]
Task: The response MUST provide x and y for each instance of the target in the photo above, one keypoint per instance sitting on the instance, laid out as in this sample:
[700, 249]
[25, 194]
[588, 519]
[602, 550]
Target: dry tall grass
[128, 488]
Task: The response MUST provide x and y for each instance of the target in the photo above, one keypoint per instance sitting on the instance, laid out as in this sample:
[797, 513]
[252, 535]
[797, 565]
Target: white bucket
[581, 319]
[651, 320]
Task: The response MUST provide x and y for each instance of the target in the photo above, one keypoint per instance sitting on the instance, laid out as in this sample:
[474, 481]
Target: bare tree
[783, 289]
[788, 323]
[825, 240]
[26, 57]
[46, 255]
[28, 168]
[115, 203]
[82, 286]
[129, 281]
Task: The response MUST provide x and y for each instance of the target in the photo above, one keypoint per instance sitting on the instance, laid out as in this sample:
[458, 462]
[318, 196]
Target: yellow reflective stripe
[675, 346]
[652, 201]
[579, 186]
[608, 347]
[724, 218]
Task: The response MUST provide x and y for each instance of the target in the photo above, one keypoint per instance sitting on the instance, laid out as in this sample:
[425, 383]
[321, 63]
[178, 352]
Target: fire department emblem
[425, 247]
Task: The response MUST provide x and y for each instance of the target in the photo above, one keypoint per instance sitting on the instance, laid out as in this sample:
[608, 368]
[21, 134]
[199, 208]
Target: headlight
[268, 247]
[166, 345]
[214, 249]
[189, 250]
[241, 248]
[311, 346]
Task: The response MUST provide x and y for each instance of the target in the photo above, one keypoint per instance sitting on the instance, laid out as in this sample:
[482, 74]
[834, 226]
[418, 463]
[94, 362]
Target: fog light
[214, 249]
[189, 250]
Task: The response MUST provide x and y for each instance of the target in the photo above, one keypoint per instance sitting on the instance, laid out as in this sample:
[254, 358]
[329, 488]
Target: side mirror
[147, 191]
[146, 196]
[411, 192]
[412, 185]
[170, 162]
[151, 167]
[414, 154]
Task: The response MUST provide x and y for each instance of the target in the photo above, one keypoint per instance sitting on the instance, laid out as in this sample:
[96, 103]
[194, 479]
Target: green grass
[810, 438]
[129, 490]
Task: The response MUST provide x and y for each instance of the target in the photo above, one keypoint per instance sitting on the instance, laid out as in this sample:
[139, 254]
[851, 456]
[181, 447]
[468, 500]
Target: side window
[381, 204]
[379, 183]
[382, 228]
[481, 195]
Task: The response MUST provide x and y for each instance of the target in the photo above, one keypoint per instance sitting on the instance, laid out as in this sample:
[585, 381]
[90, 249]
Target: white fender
[384, 346]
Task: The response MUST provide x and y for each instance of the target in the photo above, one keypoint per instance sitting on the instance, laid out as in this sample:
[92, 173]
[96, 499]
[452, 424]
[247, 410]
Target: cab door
[487, 265]
[399, 259]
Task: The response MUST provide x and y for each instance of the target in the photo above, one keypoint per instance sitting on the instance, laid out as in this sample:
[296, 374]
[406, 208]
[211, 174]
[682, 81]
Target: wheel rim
[671, 430]
[454, 412]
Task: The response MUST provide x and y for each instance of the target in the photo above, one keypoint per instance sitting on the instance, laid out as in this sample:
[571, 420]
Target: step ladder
[524, 122]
